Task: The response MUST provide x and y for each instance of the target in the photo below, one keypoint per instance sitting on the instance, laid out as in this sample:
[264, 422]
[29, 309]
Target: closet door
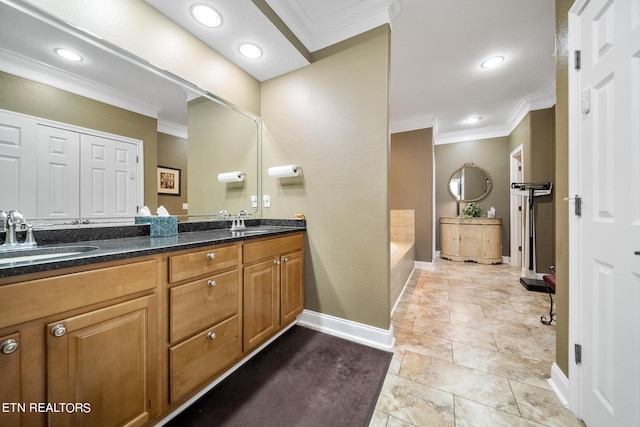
[109, 179]
[58, 173]
[17, 163]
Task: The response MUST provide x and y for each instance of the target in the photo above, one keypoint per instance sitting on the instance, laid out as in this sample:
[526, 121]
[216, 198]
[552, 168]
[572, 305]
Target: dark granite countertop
[125, 242]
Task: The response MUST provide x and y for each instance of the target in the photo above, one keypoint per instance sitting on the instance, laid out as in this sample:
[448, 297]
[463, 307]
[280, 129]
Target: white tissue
[162, 211]
[491, 213]
[145, 211]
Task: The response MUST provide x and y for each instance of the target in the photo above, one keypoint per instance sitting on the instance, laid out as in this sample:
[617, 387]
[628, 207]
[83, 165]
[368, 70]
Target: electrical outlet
[185, 206]
[254, 201]
[266, 201]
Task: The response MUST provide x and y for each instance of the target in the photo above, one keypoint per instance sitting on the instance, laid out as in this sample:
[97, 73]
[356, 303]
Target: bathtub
[402, 264]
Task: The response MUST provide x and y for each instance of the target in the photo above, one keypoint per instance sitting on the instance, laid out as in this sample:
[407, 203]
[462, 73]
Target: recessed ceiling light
[206, 15]
[473, 119]
[68, 54]
[492, 62]
[250, 50]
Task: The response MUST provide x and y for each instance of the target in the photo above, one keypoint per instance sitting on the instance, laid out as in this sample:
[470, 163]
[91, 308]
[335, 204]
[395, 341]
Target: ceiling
[436, 50]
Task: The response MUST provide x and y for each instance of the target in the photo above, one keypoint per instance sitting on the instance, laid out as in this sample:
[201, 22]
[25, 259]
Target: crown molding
[546, 99]
[45, 74]
[345, 22]
[412, 123]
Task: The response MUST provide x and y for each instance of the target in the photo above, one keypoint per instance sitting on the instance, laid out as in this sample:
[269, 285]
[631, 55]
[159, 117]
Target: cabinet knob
[211, 255]
[9, 346]
[211, 283]
[58, 330]
[212, 335]
[285, 259]
[276, 261]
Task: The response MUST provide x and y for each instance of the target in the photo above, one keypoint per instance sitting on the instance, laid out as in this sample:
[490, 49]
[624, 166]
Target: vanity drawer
[201, 357]
[273, 247]
[199, 263]
[203, 302]
[20, 302]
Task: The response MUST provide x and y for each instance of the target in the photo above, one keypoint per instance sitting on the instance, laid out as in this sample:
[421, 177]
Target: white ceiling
[436, 50]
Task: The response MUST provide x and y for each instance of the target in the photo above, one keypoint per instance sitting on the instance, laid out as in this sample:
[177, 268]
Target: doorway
[516, 174]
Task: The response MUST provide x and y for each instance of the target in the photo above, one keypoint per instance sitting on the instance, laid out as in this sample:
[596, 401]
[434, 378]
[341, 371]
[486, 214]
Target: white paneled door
[605, 238]
[109, 185]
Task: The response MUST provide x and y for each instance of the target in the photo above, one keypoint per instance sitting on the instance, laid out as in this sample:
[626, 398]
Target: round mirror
[470, 183]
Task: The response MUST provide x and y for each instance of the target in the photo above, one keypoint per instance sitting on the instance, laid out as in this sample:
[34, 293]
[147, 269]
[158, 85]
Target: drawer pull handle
[9, 346]
[212, 335]
[211, 255]
[211, 283]
[58, 330]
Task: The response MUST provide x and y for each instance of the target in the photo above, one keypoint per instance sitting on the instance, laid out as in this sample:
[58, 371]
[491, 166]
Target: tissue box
[160, 226]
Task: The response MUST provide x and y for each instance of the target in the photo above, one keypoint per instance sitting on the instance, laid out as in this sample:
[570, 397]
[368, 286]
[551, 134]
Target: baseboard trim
[404, 288]
[560, 384]
[347, 329]
[423, 265]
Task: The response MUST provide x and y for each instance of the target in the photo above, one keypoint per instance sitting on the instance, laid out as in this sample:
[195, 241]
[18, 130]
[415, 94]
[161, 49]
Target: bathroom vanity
[471, 239]
[126, 333]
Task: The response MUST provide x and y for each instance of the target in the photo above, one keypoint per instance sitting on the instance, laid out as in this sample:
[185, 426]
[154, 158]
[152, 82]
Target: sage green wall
[331, 118]
[35, 99]
[491, 154]
[172, 153]
[561, 190]
[140, 29]
[411, 184]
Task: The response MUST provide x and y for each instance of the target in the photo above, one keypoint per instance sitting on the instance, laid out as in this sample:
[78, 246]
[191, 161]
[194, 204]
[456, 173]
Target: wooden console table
[471, 239]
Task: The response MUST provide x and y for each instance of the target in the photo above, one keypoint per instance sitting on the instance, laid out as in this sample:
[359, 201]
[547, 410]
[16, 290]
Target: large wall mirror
[470, 183]
[191, 134]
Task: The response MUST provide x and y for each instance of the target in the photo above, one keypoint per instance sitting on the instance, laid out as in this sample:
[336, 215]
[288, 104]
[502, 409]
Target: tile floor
[470, 351]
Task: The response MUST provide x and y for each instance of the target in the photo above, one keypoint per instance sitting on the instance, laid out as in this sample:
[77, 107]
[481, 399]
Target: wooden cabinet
[99, 362]
[204, 316]
[87, 338]
[273, 289]
[128, 342]
[471, 239]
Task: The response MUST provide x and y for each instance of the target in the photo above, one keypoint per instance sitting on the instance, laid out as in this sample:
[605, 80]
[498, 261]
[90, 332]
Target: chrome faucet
[9, 221]
[13, 218]
[238, 221]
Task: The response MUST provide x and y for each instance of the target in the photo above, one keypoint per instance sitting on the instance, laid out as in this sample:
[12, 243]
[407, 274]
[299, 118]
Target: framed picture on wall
[168, 180]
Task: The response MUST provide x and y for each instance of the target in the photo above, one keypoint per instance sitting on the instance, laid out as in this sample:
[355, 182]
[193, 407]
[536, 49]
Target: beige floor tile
[472, 414]
[472, 384]
[469, 344]
[508, 366]
[541, 405]
[415, 403]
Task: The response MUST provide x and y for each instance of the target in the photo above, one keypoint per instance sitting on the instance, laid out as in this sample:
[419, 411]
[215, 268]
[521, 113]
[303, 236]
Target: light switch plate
[266, 201]
[254, 201]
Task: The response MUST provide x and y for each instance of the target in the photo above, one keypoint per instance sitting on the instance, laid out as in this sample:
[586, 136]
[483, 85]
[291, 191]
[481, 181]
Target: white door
[605, 268]
[109, 171]
[517, 230]
[17, 158]
[58, 173]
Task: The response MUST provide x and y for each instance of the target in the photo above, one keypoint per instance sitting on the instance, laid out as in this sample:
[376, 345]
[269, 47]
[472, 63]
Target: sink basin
[252, 230]
[38, 254]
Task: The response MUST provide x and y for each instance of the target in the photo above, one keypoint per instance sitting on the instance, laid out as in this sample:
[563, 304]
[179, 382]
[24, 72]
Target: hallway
[470, 351]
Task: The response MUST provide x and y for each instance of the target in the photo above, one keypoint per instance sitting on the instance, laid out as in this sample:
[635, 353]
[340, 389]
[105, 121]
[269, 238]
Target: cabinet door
[102, 360]
[261, 302]
[10, 391]
[449, 239]
[493, 241]
[291, 287]
[471, 240]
